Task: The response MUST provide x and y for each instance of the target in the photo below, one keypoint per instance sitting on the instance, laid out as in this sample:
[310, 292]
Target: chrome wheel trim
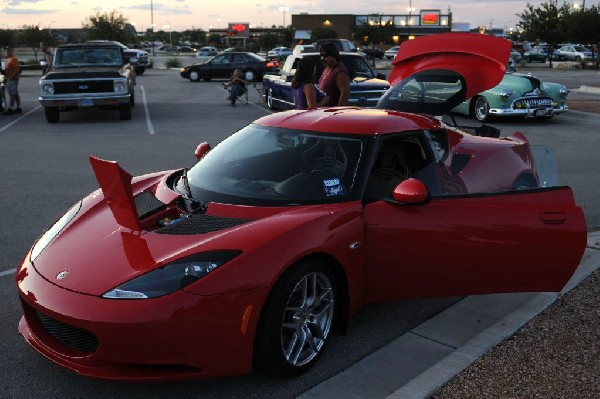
[194, 76]
[307, 319]
[482, 109]
[270, 98]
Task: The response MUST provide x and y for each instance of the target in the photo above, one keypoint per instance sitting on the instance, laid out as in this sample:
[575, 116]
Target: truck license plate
[85, 103]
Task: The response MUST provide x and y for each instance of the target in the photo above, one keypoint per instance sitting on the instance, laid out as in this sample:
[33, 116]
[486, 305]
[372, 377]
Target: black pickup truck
[88, 75]
[366, 87]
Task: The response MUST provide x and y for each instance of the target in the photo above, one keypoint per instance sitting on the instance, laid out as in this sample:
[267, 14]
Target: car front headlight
[506, 94]
[120, 86]
[53, 231]
[564, 92]
[172, 277]
[47, 88]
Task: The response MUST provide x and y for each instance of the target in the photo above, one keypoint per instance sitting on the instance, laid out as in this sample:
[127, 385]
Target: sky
[180, 15]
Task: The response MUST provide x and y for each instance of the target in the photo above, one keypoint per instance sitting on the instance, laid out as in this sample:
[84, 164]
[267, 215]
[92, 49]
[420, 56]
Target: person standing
[47, 57]
[305, 95]
[12, 82]
[335, 80]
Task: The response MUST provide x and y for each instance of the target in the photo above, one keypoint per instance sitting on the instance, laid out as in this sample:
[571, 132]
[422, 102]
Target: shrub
[173, 63]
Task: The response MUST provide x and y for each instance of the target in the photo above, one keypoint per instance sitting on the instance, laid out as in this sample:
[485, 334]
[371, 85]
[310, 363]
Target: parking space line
[148, 120]
[19, 118]
[9, 272]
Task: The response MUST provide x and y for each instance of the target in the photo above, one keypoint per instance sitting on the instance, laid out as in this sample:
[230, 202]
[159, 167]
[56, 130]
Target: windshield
[77, 56]
[270, 166]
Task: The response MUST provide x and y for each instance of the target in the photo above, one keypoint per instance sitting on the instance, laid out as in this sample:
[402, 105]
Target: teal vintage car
[517, 95]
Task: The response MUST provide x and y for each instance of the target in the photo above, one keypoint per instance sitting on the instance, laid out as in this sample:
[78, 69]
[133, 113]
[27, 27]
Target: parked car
[139, 59]
[278, 236]
[515, 55]
[207, 51]
[85, 76]
[344, 45]
[536, 55]
[279, 53]
[372, 52]
[517, 95]
[391, 52]
[186, 49]
[222, 66]
[572, 53]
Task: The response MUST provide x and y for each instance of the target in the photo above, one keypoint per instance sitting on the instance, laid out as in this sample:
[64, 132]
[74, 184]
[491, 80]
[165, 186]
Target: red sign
[239, 29]
[430, 18]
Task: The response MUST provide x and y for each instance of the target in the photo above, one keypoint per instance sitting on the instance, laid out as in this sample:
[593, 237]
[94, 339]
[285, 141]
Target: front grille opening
[71, 337]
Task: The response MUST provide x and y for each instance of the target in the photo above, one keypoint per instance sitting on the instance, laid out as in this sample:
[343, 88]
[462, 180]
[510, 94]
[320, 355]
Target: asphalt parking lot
[45, 170]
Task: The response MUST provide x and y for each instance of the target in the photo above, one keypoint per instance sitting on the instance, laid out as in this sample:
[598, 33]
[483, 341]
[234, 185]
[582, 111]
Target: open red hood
[435, 73]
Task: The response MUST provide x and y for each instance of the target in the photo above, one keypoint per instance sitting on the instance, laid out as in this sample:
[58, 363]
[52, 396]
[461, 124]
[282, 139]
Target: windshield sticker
[333, 187]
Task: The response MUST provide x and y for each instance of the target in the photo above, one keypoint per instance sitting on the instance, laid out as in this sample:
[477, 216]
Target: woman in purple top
[335, 81]
[306, 96]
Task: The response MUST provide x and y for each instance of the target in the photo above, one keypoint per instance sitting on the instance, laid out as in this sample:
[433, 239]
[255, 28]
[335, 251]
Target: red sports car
[275, 238]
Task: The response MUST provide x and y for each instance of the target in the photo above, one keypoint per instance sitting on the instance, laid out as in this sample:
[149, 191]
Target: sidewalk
[427, 358]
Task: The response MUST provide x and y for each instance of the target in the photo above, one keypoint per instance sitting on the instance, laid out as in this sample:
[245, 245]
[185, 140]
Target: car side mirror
[411, 191]
[201, 150]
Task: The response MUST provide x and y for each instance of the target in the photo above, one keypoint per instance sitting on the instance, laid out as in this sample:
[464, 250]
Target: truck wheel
[52, 114]
[125, 112]
[269, 98]
[194, 76]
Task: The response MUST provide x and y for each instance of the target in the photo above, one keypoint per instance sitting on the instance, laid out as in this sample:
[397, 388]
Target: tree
[32, 35]
[108, 26]
[7, 37]
[375, 31]
[583, 26]
[545, 23]
[322, 33]
[268, 40]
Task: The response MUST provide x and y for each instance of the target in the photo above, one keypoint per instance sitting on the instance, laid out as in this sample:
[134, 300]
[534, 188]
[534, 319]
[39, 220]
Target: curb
[418, 363]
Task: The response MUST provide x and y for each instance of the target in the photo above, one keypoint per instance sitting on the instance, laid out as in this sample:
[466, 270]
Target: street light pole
[152, 25]
[410, 10]
[283, 10]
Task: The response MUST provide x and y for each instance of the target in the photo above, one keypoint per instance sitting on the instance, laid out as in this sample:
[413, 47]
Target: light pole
[283, 10]
[152, 25]
[168, 26]
[410, 10]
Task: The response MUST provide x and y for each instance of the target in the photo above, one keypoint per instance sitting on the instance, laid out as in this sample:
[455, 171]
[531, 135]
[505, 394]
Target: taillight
[273, 64]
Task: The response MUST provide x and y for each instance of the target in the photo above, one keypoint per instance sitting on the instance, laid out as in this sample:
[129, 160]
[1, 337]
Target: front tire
[481, 109]
[194, 76]
[52, 114]
[296, 319]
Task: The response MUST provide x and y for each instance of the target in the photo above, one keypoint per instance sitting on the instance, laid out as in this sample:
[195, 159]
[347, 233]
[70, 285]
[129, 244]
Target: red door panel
[513, 242]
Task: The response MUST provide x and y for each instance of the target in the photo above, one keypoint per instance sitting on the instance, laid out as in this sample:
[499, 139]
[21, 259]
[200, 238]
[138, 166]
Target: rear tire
[269, 98]
[125, 112]
[250, 75]
[52, 114]
[296, 319]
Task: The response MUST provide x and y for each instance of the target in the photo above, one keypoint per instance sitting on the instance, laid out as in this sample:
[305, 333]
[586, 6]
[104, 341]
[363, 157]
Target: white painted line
[10, 272]
[19, 118]
[148, 120]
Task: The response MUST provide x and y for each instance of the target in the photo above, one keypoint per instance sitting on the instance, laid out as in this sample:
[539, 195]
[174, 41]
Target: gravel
[556, 355]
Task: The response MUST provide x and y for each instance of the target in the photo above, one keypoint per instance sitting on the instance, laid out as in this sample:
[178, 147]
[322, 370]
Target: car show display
[276, 237]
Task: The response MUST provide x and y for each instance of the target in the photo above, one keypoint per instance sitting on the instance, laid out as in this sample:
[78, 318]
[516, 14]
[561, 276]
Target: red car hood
[98, 253]
[433, 62]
